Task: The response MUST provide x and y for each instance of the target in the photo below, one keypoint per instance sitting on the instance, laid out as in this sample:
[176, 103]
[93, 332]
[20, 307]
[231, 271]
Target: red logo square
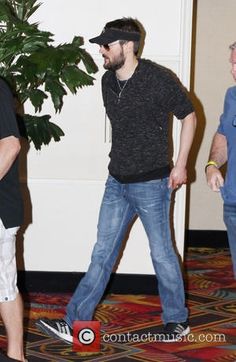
[86, 336]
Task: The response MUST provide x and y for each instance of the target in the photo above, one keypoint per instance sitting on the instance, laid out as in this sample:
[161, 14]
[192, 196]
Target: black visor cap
[110, 35]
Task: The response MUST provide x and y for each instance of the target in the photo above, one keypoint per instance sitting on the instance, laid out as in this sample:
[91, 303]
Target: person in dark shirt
[11, 217]
[139, 97]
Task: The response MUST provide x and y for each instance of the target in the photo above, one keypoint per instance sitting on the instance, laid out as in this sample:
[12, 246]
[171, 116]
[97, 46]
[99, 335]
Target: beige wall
[215, 30]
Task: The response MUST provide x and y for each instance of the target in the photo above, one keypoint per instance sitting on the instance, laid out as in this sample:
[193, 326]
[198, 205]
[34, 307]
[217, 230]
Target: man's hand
[178, 176]
[214, 178]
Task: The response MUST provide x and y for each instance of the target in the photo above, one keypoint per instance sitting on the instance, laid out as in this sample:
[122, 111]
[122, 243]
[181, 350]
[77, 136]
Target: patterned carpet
[211, 299]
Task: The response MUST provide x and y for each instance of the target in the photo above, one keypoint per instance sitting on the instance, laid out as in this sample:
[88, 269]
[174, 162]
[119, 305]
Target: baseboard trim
[206, 238]
[66, 282]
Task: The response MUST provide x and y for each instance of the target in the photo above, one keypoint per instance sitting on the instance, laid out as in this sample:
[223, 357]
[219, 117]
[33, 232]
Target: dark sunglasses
[234, 121]
[107, 47]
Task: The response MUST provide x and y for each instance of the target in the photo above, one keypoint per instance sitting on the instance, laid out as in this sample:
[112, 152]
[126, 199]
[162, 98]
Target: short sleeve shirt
[227, 127]
[11, 206]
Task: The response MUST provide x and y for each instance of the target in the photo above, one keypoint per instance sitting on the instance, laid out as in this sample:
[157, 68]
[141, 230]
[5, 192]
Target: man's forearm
[218, 152]
[9, 149]
[178, 175]
[186, 139]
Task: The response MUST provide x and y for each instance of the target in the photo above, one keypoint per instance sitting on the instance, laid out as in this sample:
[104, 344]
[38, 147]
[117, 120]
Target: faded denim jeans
[230, 222]
[121, 202]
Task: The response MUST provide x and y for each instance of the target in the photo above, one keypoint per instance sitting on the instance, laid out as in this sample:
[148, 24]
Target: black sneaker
[57, 328]
[173, 332]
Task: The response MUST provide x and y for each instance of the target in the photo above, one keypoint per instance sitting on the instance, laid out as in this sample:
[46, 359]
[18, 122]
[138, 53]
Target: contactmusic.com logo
[86, 336]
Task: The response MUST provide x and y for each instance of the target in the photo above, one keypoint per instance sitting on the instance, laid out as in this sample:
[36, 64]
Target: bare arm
[218, 153]
[9, 149]
[178, 175]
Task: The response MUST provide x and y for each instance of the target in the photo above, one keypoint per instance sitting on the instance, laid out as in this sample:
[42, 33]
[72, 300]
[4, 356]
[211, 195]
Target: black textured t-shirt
[11, 206]
[140, 120]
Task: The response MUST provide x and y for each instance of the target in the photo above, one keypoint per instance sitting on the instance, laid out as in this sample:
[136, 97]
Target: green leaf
[37, 97]
[48, 59]
[77, 41]
[57, 91]
[70, 54]
[10, 48]
[56, 132]
[24, 12]
[40, 130]
[6, 11]
[74, 77]
[88, 62]
[26, 68]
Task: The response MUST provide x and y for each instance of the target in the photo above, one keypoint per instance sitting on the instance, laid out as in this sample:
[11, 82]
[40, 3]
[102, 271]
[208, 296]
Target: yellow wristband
[211, 163]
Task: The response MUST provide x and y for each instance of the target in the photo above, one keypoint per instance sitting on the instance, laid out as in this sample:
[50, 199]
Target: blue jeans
[121, 202]
[230, 222]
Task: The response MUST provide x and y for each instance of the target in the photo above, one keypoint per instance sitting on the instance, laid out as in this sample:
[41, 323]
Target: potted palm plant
[37, 69]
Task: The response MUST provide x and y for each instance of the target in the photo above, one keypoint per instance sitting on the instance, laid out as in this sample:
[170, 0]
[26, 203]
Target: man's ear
[130, 46]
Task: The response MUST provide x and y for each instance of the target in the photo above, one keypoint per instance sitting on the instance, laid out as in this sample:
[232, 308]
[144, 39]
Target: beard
[116, 63]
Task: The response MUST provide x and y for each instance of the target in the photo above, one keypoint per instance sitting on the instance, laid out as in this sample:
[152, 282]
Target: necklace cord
[121, 88]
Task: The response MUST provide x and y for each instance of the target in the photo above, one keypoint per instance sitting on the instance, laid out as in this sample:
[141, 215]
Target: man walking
[139, 97]
[223, 150]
